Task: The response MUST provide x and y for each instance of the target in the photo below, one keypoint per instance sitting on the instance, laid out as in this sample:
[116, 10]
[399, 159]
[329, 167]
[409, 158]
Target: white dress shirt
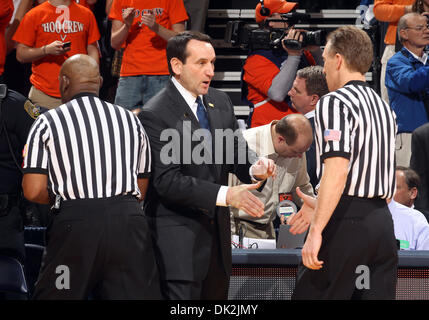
[411, 227]
[310, 114]
[423, 59]
[191, 101]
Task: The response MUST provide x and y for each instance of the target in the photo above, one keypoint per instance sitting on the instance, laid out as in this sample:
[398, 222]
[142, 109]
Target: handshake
[240, 196]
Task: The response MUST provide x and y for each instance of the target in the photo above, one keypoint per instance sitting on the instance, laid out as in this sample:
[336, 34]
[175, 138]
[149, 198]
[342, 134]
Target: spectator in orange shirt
[19, 10]
[143, 27]
[42, 35]
[389, 11]
[6, 11]
[23, 7]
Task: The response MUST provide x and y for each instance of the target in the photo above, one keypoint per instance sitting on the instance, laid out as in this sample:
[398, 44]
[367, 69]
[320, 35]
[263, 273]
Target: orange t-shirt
[6, 12]
[145, 51]
[44, 24]
[390, 11]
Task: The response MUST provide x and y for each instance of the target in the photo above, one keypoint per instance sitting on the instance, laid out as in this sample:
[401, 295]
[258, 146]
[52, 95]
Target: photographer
[268, 74]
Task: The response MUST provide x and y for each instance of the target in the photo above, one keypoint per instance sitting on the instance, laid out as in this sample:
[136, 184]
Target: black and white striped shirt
[89, 148]
[355, 123]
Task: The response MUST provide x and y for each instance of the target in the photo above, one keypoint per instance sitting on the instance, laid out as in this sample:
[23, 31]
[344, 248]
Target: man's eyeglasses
[419, 28]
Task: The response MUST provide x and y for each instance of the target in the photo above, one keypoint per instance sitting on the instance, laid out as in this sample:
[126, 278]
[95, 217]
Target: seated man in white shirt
[407, 188]
[284, 141]
[411, 227]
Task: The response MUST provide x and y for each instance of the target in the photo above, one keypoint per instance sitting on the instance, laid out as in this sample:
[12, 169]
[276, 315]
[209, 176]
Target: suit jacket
[181, 198]
[419, 162]
[311, 159]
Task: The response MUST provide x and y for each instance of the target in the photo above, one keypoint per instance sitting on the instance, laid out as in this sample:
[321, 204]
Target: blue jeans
[134, 91]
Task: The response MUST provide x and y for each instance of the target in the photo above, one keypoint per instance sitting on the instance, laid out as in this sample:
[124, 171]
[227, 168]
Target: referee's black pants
[358, 238]
[99, 247]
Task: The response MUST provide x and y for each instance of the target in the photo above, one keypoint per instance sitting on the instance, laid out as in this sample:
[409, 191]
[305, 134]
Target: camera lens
[314, 38]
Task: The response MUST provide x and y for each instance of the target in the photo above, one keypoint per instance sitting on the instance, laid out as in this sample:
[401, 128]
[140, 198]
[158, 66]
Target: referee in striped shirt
[350, 251]
[95, 157]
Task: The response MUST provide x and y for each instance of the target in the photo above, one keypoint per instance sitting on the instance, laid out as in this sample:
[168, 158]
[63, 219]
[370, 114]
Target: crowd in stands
[18, 33]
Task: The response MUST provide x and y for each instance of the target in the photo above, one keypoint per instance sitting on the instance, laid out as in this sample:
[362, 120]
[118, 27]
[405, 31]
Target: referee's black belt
[95, 201]
[378, 198]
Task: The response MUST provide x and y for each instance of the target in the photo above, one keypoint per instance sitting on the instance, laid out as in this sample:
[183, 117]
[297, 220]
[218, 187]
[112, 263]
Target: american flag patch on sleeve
[332, 135]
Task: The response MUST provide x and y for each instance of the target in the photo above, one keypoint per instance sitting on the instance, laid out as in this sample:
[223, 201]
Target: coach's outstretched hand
[241, 198]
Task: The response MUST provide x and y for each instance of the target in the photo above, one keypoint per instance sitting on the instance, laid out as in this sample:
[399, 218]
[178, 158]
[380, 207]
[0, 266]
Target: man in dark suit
[419, 163]
[309, 86]
[195, 144]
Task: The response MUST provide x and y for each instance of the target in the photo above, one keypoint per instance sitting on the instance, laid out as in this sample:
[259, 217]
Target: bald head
[292, 135]
[80, 67]
[79, 73]
[294, 125]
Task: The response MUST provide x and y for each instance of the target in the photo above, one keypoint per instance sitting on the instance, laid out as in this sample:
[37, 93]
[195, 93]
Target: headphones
[265, 12]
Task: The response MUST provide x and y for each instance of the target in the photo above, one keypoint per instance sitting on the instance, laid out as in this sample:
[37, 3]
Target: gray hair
[403, 23]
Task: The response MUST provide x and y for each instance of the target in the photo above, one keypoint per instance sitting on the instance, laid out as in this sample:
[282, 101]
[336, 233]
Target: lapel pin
[211, 105]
